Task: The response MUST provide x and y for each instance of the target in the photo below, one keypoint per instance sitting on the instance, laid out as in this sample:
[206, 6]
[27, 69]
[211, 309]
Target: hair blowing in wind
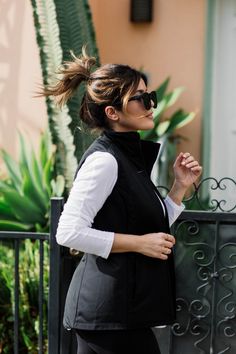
[72, 73]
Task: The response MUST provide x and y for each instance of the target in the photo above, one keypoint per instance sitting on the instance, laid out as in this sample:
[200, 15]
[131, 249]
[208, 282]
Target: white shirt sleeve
[93, 184]
[174, 210]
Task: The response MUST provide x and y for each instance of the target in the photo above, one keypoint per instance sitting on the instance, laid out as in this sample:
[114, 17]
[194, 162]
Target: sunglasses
[147, 99]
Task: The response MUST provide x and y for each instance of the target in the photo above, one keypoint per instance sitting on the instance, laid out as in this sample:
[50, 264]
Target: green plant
[62, 26]
[25, 192]
[165, 128]
[6, 292]
[47, 34]
[28, 296]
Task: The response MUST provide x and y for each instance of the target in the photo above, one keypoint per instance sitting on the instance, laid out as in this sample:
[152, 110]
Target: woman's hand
[156, 245]
[186, 170]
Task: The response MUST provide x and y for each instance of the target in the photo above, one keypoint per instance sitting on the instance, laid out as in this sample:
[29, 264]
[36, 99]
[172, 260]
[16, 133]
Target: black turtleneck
[140, 152]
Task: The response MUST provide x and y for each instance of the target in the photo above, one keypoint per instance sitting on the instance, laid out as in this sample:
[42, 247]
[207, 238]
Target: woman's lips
[150, 115]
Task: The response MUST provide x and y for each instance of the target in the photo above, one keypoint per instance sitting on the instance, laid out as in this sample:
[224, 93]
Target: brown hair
[110, 84]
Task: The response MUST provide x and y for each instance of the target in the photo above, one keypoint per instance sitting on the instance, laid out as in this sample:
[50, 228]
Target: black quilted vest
[127, 290]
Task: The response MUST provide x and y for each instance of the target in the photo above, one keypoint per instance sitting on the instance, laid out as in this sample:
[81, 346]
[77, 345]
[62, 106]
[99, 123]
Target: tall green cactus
[76, 29]
[62, 26]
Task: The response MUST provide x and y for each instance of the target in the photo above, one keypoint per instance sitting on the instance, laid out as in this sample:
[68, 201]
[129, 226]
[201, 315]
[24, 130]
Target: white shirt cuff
[174, 210]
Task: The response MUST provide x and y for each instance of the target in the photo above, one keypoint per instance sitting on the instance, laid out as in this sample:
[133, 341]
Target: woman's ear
[111, 113]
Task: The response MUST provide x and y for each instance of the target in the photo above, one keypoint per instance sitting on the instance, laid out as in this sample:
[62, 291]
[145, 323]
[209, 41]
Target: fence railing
[205, 258]
[210, 194]
[17, 238]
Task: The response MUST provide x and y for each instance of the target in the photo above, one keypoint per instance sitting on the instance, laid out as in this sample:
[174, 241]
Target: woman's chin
[148, 125]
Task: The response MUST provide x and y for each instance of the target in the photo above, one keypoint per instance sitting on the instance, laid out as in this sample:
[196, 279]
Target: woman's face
[137, 117]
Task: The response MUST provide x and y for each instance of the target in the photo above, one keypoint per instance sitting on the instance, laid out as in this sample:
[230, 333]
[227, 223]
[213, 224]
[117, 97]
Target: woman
[124, 284]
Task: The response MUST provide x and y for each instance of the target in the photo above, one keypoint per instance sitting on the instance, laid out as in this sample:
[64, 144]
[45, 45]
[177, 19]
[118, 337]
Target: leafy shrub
[24, 206]
[26, 191]
[164, 131]
[28, 296]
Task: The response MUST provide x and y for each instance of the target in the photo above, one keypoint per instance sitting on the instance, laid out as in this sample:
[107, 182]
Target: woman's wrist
[177, 192]
[125, 243]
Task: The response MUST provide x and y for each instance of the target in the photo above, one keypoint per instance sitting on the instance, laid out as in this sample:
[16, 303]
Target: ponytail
[72, 74]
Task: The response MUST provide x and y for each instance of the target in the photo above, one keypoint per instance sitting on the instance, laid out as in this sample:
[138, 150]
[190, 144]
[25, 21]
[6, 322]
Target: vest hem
[118, 326]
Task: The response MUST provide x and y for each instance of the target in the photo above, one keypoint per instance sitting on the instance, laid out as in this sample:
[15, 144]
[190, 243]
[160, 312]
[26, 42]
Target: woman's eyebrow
[139, 91]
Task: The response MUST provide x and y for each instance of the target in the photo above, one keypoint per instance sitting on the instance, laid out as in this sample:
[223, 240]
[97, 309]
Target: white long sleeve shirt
[93, 184]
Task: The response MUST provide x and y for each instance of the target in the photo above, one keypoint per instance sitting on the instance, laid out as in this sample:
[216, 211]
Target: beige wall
[172, 45]
[19, 75]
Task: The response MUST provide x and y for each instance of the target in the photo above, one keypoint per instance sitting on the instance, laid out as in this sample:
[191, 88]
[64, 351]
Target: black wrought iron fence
[26, 292]
[205, 258]
[210, 194]
[12, 241]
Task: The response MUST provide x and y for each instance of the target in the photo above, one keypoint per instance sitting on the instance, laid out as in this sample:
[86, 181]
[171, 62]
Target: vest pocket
[102, 298]
[73, 293]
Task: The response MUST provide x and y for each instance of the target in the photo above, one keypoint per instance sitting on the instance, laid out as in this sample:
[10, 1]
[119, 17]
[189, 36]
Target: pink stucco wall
[172, 45]
[20, 74]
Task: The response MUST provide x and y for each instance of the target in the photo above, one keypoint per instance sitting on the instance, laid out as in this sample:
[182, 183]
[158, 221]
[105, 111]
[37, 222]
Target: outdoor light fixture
[141, 10]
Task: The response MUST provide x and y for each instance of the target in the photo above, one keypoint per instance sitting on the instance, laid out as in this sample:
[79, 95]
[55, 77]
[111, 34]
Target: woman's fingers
[166, 250]
[166, 237]
[187, 158]
[162, 256]
[197, 169]
[190, 163]
[167, 244]
[158, 245]
[164, 246]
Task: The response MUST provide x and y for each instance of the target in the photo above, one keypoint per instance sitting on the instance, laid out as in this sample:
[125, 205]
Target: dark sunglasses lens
[153, 97]
[146, 100]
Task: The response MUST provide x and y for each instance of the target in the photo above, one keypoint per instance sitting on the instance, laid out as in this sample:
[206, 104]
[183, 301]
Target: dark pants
[138, 341]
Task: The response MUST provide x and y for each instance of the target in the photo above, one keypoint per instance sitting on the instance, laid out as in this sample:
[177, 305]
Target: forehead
[141, 86]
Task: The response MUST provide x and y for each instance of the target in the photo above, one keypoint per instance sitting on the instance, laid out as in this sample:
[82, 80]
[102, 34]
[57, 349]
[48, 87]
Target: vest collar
[141, 152]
